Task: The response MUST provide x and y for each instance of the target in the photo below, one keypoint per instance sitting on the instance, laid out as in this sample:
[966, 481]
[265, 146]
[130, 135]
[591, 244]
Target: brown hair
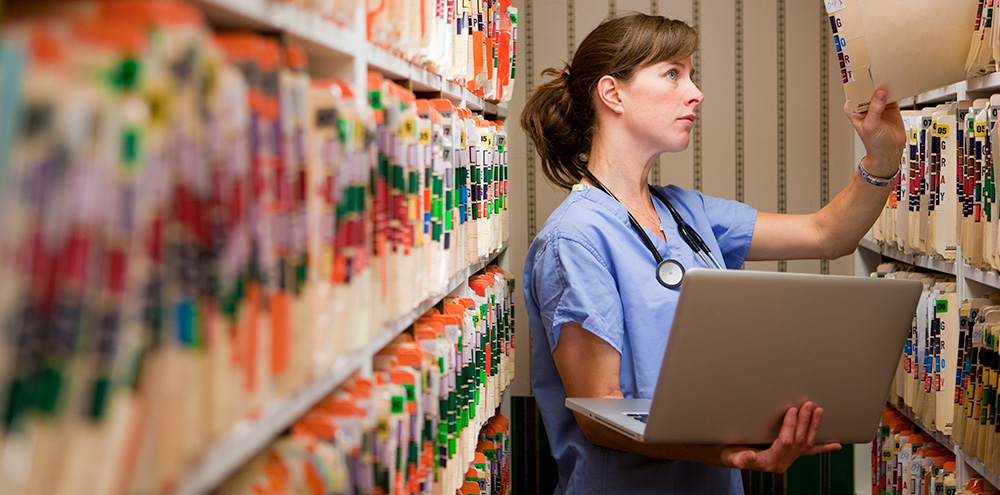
[560, 116]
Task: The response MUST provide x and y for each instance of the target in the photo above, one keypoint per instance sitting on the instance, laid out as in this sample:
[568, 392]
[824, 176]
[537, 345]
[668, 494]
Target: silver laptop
[745, 346]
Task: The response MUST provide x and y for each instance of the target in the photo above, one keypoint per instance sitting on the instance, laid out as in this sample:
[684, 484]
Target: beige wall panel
[518, 204]
[587, 14]
[760, 109]
[760, 105]
[802, 52]
[682, 10]
[803, 266]
[624, 6]
[761, 266]
[718, 125]
[803, 30]
[549, 33]
[550, 50]
[678, 168]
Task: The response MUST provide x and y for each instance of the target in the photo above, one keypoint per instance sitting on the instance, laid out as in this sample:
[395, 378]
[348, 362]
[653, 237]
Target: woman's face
[659, 105]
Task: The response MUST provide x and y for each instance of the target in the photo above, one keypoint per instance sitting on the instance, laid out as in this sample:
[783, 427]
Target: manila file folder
[907, 47]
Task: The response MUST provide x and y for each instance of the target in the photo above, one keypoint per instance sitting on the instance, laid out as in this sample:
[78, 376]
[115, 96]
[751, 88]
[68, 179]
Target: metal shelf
[990, 83]
[989, 278]
[985, 277]
[934, 263]
[974, 87]
[251, 435]
[980, 469]
[908, 102]
[952, 92]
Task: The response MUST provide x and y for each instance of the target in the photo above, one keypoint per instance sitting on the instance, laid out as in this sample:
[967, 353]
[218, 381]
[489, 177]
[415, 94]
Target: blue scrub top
[588, 265]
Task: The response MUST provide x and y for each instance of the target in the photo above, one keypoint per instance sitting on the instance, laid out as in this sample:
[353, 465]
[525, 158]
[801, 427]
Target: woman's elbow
[596, 433]
[833, 251]
[830, 247]
[840, 250]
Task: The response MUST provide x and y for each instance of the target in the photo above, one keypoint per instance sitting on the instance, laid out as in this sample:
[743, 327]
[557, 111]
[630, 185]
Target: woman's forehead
[684, 63]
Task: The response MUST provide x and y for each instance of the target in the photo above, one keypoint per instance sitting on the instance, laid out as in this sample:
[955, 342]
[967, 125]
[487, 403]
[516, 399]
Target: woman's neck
[624, 173]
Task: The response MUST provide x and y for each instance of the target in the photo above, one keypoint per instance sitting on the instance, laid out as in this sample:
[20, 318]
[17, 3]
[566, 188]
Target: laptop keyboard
[639, 416]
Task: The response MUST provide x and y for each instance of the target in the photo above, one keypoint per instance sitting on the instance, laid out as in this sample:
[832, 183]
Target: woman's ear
[609, 93]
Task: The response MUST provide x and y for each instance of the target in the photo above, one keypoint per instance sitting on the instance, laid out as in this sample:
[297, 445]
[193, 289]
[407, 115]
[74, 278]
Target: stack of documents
[985, 49]
[425, 424]
[907, 460]
[926, 377]
[946, 195]
[469, 42]
[440, 201]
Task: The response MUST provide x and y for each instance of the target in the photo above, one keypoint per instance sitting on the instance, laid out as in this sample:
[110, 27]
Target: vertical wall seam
[570, 30]
[529, 71]
[612, 8]
[654, 9]
[696, 20]
[782, 123]
[824, 120]
[739, 99]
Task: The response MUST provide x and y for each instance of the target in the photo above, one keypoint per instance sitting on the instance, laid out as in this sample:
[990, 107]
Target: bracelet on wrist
[876, 181]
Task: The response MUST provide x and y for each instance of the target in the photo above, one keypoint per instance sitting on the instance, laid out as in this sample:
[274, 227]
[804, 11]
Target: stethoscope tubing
[686, 231]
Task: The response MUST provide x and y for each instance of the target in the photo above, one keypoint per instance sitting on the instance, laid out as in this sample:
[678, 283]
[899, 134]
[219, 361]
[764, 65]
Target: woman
[597, 313]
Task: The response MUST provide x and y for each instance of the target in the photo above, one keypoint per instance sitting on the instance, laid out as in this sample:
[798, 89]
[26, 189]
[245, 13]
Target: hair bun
[559, 77]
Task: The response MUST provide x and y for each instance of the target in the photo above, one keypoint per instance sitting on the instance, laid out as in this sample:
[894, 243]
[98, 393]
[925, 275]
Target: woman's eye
[672, 74]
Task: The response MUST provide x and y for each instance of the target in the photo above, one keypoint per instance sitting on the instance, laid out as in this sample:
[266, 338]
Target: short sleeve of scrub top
[588, 265]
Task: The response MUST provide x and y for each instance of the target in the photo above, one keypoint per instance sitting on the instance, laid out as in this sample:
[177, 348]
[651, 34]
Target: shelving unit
[972, 281]
[343, 52]
[989, 280]
[247, 438]
[339, 51]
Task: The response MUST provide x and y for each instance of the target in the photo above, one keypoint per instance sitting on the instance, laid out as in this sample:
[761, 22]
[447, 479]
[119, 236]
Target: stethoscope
[669, 272]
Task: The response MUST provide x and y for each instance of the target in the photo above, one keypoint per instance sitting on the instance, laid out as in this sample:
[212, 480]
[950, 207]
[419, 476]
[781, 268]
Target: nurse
[599, 315]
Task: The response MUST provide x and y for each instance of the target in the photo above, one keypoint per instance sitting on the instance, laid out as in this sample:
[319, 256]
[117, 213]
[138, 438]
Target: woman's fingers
[803, 423]
[795, 439]
[786, 436]
[823, 448]
[817, 420]
[881, 130]
[873, 118]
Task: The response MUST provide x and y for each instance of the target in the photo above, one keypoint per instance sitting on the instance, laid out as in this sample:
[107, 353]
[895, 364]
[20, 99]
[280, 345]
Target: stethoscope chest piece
[670, 273]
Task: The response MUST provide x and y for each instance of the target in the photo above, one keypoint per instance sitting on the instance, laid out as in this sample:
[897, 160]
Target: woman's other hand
[795, 439]
[882, 132]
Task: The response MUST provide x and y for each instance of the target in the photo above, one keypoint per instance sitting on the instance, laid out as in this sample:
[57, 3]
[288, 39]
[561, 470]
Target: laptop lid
[745, 346]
